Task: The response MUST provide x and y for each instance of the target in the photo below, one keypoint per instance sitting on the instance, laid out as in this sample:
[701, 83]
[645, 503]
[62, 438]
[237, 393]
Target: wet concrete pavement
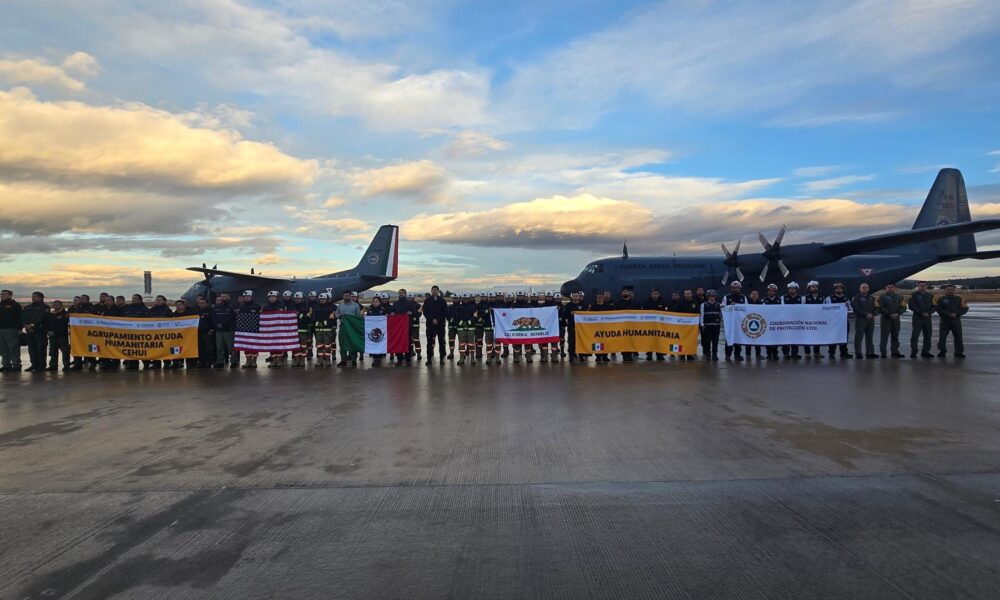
[825, 479]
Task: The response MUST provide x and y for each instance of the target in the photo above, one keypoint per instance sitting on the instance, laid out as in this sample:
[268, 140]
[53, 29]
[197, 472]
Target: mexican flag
[385, 334]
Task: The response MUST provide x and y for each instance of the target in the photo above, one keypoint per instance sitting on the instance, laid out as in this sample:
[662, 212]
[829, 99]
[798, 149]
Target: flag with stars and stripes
[276, 331]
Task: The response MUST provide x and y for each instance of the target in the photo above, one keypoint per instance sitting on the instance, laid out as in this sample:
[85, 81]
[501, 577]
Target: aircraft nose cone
[573, 285]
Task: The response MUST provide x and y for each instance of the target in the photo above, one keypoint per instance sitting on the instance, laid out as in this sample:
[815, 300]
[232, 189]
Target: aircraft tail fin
[381, 259]
[947, 203]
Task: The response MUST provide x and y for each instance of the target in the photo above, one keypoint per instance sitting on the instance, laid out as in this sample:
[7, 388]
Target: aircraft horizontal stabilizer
[259, 279]
[984, 255]
[890, 240]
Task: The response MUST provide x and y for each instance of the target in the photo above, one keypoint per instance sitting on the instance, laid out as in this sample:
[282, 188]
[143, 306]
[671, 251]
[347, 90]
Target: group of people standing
[463, 327]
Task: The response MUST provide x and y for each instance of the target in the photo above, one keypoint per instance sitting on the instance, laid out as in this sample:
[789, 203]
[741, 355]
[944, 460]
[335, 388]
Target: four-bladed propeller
[732, 261]
[772, 252]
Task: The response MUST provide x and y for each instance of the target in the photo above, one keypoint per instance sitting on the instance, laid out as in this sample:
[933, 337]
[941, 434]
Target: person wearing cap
[181, 309]
[710, 323]
[160, 310]
[57, 330]
[951, 308]
[435, 311]
[735, 296]
[922, 304]
[34, 329]
[83, 307]
[349, 307]
[135, 309]
[464, 314]
[754, 298]
[813, 297]
[865, 308]
[891, 308]
[575, 305]
[771, 297]
[247, 306]
[223, 321]
[627, 302]
[791, 351]
[838, 297]
[206, 337]
[599, 305]
[689, 306]
[655, 301]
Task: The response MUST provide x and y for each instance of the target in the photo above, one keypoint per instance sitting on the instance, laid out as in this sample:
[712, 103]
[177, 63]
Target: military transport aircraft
[379, 265]
[943, 232]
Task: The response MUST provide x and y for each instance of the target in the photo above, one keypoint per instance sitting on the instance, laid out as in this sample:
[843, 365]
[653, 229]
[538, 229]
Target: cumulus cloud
[421, 179]
[471, 144]
[316, 221]
[67, 76]
[137, 145]
[585, 221]
[11, 246]
[825, 185]
[555, 221]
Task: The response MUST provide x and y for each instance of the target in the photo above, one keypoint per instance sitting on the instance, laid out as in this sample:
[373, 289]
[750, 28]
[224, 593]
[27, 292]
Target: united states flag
[276, 331]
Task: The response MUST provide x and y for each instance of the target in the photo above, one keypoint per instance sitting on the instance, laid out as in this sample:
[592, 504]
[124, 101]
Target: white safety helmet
[273, 293]
[772, 286]
[354, 294]
[298, 295]
[312, 294]
[793, 285]
[736, 284]
[812, 283]
[324, 295]
[286, 294]
[248, 293]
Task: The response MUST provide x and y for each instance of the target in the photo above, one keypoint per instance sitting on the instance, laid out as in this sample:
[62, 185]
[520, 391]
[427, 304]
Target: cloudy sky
[512, 142]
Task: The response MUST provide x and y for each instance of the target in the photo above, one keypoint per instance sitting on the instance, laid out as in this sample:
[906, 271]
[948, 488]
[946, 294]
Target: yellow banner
[636, 331]
[127, 338]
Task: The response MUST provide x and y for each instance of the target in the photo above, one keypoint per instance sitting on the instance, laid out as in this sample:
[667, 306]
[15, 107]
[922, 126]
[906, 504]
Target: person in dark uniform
[464, 318]
[377, 309]
[245, 306]
[83, 307]
[206, 338]
[57, 328]
[689, 306]
[710, 322]
[479, 323]
[181, 309]
[274, 304]
[654, 302]
[521, 301]
[34, 329]
[405, 305]
[550, 351]
[312, 298]
[436, 314]
[922, 305]
[324, 328]
[951, 309]
[11, 323]
[813, 297]
[303, 314]
[160, 310]
[865, 308]
[489, 331]
[675, 302]
[224, 328]
[108, 308]
[771, 297]
[754, 298]
[575, 305]
[791, 351]
[453, 324]
[600, 305]
[735, 296]
[699, 296]
[838, 297]
[627, 302]
[891, 308]
[136, 309]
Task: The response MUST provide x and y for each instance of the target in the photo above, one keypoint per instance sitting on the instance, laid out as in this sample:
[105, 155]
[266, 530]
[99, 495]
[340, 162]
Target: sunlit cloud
[69, 75]
[825, 185]
[422, 180]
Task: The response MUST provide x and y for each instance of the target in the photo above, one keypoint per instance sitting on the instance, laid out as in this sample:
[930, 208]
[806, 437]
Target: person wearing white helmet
[274, 304]
[303, 312]
[792, 296]
[754, 298]
[247, 310]
[324, 329]
[813, 297]
[735, 296]
[771, 296]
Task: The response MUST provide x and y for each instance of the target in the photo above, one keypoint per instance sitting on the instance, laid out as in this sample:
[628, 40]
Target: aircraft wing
[984, 255]
[890, 240]
[244, 276]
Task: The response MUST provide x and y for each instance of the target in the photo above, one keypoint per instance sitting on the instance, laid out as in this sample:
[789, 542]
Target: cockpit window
[594, 268]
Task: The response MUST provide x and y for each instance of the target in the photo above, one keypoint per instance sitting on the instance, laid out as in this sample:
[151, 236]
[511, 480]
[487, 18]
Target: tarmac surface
[820, 479]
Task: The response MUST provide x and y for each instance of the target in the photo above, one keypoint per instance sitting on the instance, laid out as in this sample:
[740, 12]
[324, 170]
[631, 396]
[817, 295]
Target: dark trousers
[58, 345]
[954, 327]
[435, 336]
[710, 340]
[787, 351]
[37, 342]
[206, 348]
[864, 329]
[921, 327]
[734, 349]
[889, 335]
[843, 347]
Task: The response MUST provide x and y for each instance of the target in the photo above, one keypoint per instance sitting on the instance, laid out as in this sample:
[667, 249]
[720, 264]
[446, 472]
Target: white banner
[526, 325]
[785, 324]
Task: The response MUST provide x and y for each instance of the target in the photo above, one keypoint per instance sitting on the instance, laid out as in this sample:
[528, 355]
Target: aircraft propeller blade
[732, 262]
[784, 269]
[763, 272]
[739, 274]
[763, 241]
[781, 235]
